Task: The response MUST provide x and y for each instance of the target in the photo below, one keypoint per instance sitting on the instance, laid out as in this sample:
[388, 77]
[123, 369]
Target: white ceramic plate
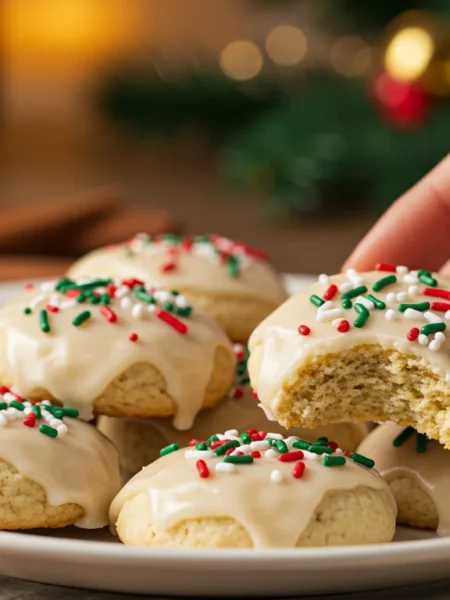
[94, 559]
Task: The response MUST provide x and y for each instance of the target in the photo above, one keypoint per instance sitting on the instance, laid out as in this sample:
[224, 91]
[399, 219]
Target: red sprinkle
[194, 441]
[291, 456]
[132, 281]
[229, 451]
[72, 293]
[218, 443]
[330, 293]
[255, 437]
[333, 445]
[347, 453]
[436, 292]
[4, 389]
[172, 321]
[413, 334]
[385, 267]
[237, 453]
[186, 244]
[29, 420]
[254, 393]
[202, 469]
[240, 354]
[255, 454]
[343, 326]
[298, 470]
[29, 286]
[111, 289]
[250, 430]
[109, 314]
[440, 306]
[133, 337]
[53, 309]
[238, 393]
[166, 267]
[262, 434]
[304, 330]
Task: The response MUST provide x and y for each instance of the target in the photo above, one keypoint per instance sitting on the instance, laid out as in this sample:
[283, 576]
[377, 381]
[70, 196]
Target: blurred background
[291, 125]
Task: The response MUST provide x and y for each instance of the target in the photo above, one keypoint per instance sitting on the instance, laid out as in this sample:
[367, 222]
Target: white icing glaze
[282, 350]
[430, 469]
[199, 268]
[274, 508]
[76, 364]
[79, 467]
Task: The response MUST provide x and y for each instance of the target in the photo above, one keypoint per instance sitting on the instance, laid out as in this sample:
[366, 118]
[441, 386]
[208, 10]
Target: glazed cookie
[55, 470]
[119, 348]
[418, 473]
[139, 440]
[230, 280]
[359, 347]
[242, 490]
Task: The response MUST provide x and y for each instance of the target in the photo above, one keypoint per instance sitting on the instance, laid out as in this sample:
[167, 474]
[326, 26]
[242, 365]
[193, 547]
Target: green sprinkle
[43, 321]
[271, 441]
[72, 413]
[92, 284]
[211, 439]
[320, 449]
[316, 300]
[241, 369]
[281, 447]
[183, 311]
[245, 381]
[402, 437]
[18, 405]
[168, 306]
[36, 410]
[362, 460]
[433, 328]
[224, 447]
[47, 430]
[245, 459]
[419, 306]
[105, 299]
[421, 443]
[201, 446]
[81, 298]
[232, 266]
[81, 318]
[358, 291]
[333, 461]
[64, 284]
[346, 303]
[245, 437]
[383, 282]
[378, 303]
[322, 441]
[301, 445]
[427, 278]
[27, 310]
[169, 449]
[141, 294]
[363, 315]
[175, 293]
[94, 299]
[171, 238]
[58, 413]
[3, 406]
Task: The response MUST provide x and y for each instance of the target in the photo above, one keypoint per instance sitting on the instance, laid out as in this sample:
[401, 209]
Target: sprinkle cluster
[241, 379]
[421, 439]
[233, 255]
[245, 447]
[44, 415]
[422, 300]
[97, 298]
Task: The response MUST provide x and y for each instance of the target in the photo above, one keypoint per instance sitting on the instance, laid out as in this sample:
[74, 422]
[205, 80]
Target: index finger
[415, 231]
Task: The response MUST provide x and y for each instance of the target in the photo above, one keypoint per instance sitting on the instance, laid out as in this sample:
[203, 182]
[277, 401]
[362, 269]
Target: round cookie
[418, 473]
[120, 348]
[230, 280]
[239, 492]
[55, 470]
[359, 347]
[139, 440]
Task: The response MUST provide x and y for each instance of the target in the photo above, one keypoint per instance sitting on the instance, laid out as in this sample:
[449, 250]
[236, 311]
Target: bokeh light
[350, 56]
[409, 53]
[286, 45]
[241, 60]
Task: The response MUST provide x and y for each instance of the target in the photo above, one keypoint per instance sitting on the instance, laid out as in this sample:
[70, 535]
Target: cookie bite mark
[378, 350]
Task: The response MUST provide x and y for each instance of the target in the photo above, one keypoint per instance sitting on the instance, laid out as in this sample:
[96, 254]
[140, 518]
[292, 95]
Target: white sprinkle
[290, 440]
[237, 347]
[125, 302]
[163, 296]
[432, 317]
[402, 270]
[138, 310]
[62, 429]
[391, 297]
[439, 335]
[413, 290]
[262, 445]
[196, 454]
[354, 277]
[339, 452]
[275, 436]
[121, 291]
[28, 410]
[402, 297]
[11, 413]
[47, 285]
[37, 300]
[55, 423]
[336, 322]
[329, 315]
[365, 302]
[232, 433]
[245, 448]
[276, 476]
[221, 437]
[46, 402]
[310, 455]
[67, 304]
[434, 345]
[225, 467]
[325, 306]
[151, 308]
[323, 278]
[181, 301]
[411, 277]
[8, 396]
[390, 315]
[412, 313]
[345, 287]
[271, 453]
[423, 339]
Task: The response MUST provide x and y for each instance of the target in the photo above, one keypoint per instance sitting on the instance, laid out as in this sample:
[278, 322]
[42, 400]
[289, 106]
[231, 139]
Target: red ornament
[401, 104]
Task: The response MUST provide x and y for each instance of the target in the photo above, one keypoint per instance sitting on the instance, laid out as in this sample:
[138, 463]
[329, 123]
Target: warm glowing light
[409, 53]
[241, 60]
[350, 56]
[286, 45]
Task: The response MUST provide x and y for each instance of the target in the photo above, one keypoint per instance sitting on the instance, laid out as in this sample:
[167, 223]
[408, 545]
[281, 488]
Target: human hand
[415, 231]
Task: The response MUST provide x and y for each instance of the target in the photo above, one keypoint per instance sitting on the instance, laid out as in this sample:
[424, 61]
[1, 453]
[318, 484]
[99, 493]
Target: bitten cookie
[139, 440]
[359, 347]
[55, 470]
[418, 473]
[230, 280]
[239, 491]
[119, 348]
